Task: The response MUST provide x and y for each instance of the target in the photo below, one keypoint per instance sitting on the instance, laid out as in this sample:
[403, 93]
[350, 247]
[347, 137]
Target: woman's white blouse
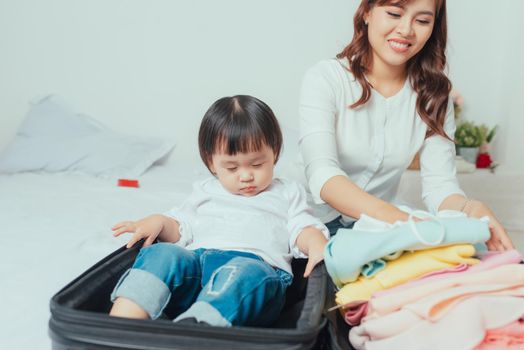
[373, 144]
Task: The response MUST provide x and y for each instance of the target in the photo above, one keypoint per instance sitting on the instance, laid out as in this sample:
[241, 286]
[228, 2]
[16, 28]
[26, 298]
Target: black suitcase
[80, 320]
[336, 334]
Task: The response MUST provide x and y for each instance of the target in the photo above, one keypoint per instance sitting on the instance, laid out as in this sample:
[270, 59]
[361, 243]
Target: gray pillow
[53, 138]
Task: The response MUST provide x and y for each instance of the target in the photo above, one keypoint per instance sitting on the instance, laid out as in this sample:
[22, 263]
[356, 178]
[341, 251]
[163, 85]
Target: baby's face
[245, 174]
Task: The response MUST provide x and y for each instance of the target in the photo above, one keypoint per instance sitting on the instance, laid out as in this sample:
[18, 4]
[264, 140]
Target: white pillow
[53, 138]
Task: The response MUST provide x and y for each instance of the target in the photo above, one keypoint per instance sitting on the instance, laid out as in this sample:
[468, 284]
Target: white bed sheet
[56, 226]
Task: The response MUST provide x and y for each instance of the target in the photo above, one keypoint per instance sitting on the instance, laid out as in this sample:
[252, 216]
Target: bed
[55, 226]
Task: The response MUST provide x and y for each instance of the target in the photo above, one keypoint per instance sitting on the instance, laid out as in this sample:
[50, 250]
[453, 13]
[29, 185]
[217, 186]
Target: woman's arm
[499, 238]
[320, 101]
[440, 188]
[349, 199]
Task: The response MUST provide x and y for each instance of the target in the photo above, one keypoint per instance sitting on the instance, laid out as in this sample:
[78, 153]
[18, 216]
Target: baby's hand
[311, 263]
[315, 256]
[148, 228]
[311, 241]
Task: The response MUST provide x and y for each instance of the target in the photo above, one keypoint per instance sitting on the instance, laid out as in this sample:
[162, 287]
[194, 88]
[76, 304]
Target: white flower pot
[469, 154]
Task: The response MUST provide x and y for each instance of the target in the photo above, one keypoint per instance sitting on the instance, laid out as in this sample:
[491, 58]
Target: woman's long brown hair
[425, 70]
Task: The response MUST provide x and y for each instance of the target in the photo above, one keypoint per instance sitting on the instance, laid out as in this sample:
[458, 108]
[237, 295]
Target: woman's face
[398, 32]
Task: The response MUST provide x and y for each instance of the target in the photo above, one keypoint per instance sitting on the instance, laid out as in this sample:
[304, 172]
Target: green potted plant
[468, 138]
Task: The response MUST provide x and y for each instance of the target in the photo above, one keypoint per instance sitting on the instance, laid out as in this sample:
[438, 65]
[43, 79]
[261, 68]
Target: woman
[364, 116]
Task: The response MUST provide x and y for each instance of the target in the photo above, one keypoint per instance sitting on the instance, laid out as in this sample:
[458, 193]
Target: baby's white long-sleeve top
[267, 224]
[373, 144]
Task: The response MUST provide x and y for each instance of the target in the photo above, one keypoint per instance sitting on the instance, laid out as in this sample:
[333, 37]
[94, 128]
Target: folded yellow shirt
[407, 267]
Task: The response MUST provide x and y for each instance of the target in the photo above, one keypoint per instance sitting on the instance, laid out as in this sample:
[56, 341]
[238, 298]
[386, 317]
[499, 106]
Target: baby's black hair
[238, 124]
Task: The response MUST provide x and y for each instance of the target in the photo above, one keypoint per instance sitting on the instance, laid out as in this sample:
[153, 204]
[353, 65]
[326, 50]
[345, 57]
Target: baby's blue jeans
[219, 287]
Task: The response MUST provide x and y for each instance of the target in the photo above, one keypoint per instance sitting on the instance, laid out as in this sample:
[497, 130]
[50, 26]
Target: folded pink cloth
[455, 319]
[354, 313]
[508, 274]
[453, 269]
[489, 260]
[510, 336]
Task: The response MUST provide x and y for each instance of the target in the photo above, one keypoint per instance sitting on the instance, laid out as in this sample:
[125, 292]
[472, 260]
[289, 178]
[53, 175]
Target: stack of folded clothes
[427, 284]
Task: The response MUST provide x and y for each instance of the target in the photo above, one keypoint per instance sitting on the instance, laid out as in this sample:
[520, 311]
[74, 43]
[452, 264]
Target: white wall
[152, 67]
[486, 58]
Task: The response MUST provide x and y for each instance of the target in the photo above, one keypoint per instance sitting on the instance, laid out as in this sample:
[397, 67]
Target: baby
[225, 256]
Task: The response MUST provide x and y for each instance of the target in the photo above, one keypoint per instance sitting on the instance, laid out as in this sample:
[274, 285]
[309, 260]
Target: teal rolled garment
[349, 250]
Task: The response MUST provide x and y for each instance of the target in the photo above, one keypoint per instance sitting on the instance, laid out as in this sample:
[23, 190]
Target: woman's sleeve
[317, 127]
[437, 165]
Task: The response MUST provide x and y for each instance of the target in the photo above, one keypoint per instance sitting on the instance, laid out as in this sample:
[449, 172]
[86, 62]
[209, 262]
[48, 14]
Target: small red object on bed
[128, 183]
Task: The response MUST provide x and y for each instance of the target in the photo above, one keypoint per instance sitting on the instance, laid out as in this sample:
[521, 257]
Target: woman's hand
[499, 238]
[148, 228]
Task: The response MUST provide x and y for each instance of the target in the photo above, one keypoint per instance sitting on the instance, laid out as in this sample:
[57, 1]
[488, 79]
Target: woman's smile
[399, 46]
